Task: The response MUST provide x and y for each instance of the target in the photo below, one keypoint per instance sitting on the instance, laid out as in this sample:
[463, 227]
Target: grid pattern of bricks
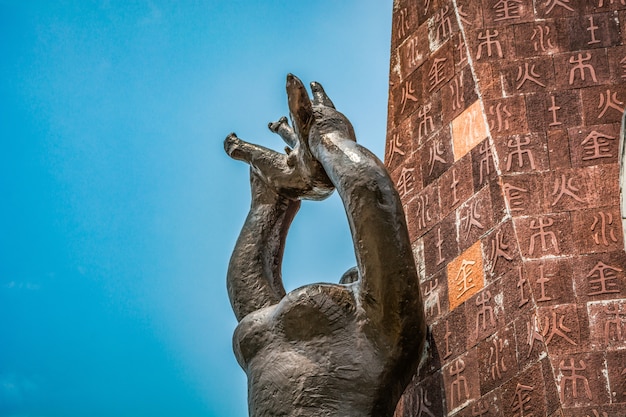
[503, 135]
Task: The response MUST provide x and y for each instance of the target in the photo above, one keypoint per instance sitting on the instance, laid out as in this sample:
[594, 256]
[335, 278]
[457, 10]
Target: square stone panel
[607, 325]
[497, 359]
[523, 153]
[501, 251]
[423, 211]
[544, 236]
[559, 149]
[594, 145]
[569, 189]
[551, 281]
[441, 245]
[438, 69]
[455, 185]
[581, 379]
[413, 52]
[616, 365]
[406, 97]
[458, 94]
[502, 13]
[427, 119]
[517, 295]
[530, 342]
[553, 110]
[598, 230]
[465, 275]
[405, 21]
[606, 180]
[424, 397]
[436, 156]
[488, 80]
[475, 218]
[528, 75]
[461, 381]
[601, 276]
[523, 193]
[490, 44]
[604, 104]
[398, 148]
[442, 25]
[486, 406]
[579, 69]
[539, 38]
[468, 130]
[450, 335]
[525, 394]
[592, 31]
[558, 8]
[435, 296]
[471, 14]
[484, 313]
[617, 64]
[559, 327]
[407, 179]
[506, 116]
[483, 166]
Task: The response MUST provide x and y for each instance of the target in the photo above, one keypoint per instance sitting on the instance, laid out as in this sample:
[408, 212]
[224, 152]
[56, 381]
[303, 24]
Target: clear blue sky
[120, 209]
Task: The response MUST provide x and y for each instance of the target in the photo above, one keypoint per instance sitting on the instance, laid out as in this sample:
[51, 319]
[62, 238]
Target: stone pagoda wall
[503, 137]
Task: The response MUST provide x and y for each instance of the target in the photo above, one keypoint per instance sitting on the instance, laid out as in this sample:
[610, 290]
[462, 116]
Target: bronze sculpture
[346, 349]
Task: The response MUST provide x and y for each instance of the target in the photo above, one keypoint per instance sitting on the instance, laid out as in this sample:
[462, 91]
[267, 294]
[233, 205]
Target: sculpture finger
[300, 107]
[282, 128]
[320, 98]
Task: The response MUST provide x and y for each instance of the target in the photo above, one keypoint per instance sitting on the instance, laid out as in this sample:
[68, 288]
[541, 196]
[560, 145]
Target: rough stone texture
[504, 142]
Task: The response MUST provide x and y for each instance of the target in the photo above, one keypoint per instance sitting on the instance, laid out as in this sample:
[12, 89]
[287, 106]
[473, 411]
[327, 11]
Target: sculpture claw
[320, 98]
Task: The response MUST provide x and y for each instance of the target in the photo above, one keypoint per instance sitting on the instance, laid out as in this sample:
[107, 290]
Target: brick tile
[600, 276]
[580, 379]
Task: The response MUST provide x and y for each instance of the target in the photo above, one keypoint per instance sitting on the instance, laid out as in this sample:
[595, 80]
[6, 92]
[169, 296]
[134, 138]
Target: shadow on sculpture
[346, 349]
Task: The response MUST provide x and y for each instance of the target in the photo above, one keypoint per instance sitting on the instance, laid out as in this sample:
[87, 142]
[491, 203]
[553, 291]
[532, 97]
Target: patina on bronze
[346, 349]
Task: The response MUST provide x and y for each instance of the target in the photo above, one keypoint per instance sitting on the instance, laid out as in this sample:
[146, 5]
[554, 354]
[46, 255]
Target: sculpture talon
[338, 350]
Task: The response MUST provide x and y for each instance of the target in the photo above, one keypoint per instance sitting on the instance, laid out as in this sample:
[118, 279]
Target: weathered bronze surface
[346, 349]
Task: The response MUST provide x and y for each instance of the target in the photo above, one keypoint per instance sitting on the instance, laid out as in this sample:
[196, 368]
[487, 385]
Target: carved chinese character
[444, 27]
[551, 328]
[481, 407]
[402, 23]
[533, 334]
[541, 38]
[527, 74]
[456, 88]
[412, 52]
[432, 298]
[472, 217]
[581, 66]
[516, 144]
[573, 378]
[601, 2]
[521, 398]
[423, 404]
[463, 15]
[455, 183]
[496, 361]
[551, 4]
[604, 279]
[514, 197]
[484, 310]
[407, 94]
[609, 101]
[520, 285]
[405, 182]
[592, 30]
[601, 236]
[489, 42]
[436, 74]
[423, 215]
[395, 147]
[462, 51]
[498, 250]
[507, 9]
[542, 235]
[564, 187]
[435, 153]
[502, 114]
[439, 246]
[463, 279]
[554, 108]
[459, 385]
[486, 159]
[542, 282]
[426, 125]
[613, 324]
[596, 146]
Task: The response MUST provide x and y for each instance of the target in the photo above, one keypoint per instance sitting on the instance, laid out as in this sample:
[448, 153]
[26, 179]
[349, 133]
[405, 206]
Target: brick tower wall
[503, 136]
